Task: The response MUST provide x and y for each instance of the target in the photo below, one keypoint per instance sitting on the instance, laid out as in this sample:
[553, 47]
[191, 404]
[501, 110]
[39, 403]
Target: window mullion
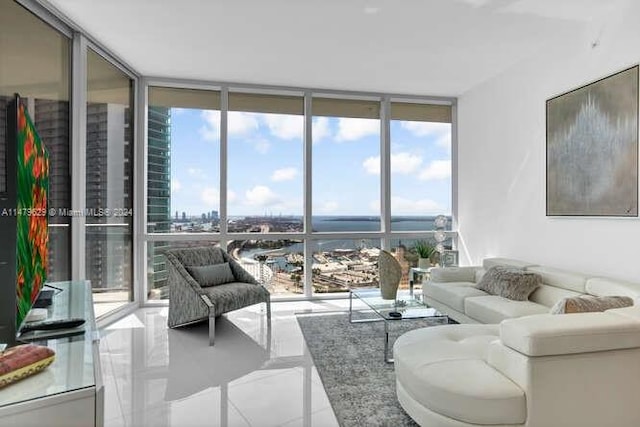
[224, 115]
[385, 168]
[308, 187]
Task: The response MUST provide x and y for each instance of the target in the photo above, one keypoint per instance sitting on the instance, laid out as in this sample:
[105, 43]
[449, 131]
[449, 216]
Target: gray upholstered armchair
[189, 302]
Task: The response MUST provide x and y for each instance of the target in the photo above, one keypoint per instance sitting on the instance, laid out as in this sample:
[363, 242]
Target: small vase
[424, 263]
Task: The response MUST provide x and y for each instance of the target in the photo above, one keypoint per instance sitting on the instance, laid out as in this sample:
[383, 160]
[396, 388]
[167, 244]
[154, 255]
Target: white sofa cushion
[453, 274]
[600, 286]
[494, 309]
[452, 294]
[444, 369]
[461, 342]
[470, 391]
[550, 295]
[551, 334]
[561, 278]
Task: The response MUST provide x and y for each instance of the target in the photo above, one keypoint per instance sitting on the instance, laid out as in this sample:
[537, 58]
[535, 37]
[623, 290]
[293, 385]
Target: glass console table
[408, 305]
[70, 391]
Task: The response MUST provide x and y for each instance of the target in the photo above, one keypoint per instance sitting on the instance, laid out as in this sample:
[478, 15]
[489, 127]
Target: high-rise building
[108, 186]
[158, 193]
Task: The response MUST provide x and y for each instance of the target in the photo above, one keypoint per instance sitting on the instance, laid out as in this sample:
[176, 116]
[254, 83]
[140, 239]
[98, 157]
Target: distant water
[360, 223]
[353, 224]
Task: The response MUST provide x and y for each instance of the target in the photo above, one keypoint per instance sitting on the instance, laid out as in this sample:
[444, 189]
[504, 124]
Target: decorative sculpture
[390, 275]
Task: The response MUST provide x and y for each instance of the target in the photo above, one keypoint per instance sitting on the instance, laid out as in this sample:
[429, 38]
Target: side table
[422, 273]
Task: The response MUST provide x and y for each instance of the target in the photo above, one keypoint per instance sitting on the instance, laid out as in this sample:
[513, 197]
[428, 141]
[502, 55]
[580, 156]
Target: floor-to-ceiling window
[109, 183]
[346, 191]
[420, 175]
[35, 61]
[265, 187]
[183, 176]
[304, 189]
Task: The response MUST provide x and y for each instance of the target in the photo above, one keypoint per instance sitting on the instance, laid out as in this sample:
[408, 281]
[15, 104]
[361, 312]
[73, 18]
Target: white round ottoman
[442, 378]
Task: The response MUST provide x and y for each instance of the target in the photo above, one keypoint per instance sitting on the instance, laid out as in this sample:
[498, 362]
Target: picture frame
[449, 258]
[592, 149]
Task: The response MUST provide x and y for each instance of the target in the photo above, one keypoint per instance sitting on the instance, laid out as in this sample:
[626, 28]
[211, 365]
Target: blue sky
[265, 165]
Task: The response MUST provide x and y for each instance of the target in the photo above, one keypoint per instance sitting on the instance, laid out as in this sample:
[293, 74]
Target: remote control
[49, 325]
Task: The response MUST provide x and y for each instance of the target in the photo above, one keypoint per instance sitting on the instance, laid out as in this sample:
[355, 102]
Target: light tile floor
[155, 376]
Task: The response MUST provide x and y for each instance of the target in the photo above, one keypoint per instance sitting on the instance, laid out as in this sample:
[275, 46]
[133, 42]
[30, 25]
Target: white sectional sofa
[534, 369]
[565, 370]
[453, 291]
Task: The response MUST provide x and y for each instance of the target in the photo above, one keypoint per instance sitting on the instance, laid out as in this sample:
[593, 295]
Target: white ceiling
[428, 47]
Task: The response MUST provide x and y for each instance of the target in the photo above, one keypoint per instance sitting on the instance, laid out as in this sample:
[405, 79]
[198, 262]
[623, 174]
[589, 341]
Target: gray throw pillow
[212, 275]
[589, 303]
[509, 282]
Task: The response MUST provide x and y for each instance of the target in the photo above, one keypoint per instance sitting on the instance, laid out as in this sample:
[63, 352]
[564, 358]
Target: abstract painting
[592, 149]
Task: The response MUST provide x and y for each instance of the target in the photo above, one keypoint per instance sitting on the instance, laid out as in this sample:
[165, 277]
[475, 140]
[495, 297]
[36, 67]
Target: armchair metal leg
[212, 328]
[268, 326]
[268, 314]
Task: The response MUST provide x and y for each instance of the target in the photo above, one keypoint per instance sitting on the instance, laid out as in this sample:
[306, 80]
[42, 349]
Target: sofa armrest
[549, 334]
[454, 274]
[601, 286]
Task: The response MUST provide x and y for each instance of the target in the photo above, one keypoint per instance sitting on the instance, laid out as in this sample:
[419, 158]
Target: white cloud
[402, 163]
[231, 196]
[444, 142]
[372, 165]
[239, 123]
[319, 128]
[437, 169]
[440, 131]
[426, 128]
[350, 129]
[210, 130]
[210, 196]
[261, 145]
[405, 163]
[402, 206]
[327, 207]
[242, 123]
[175, 185]
[284, 174]
[285, 126]
[261, 195]
[196, 173]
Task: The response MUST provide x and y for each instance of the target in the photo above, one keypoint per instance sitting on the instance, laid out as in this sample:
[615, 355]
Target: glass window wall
[262, 161]
[109, 183]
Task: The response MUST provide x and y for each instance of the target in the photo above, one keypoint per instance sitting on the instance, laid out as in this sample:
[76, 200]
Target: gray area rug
[350, 360]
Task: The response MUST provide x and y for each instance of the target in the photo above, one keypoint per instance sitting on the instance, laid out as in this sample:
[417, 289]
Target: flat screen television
[24, 233]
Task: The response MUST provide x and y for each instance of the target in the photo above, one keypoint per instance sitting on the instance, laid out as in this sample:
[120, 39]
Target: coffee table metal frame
[410, 306]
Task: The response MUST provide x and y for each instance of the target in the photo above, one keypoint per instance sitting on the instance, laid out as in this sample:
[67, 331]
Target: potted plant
[426, 251]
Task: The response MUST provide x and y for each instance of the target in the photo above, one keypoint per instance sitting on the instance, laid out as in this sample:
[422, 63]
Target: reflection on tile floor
[154, 376]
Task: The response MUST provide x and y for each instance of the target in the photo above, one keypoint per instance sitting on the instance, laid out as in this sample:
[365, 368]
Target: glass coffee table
[407, 306]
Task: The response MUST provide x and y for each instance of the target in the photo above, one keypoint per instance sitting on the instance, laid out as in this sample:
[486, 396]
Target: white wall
[502, 158]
